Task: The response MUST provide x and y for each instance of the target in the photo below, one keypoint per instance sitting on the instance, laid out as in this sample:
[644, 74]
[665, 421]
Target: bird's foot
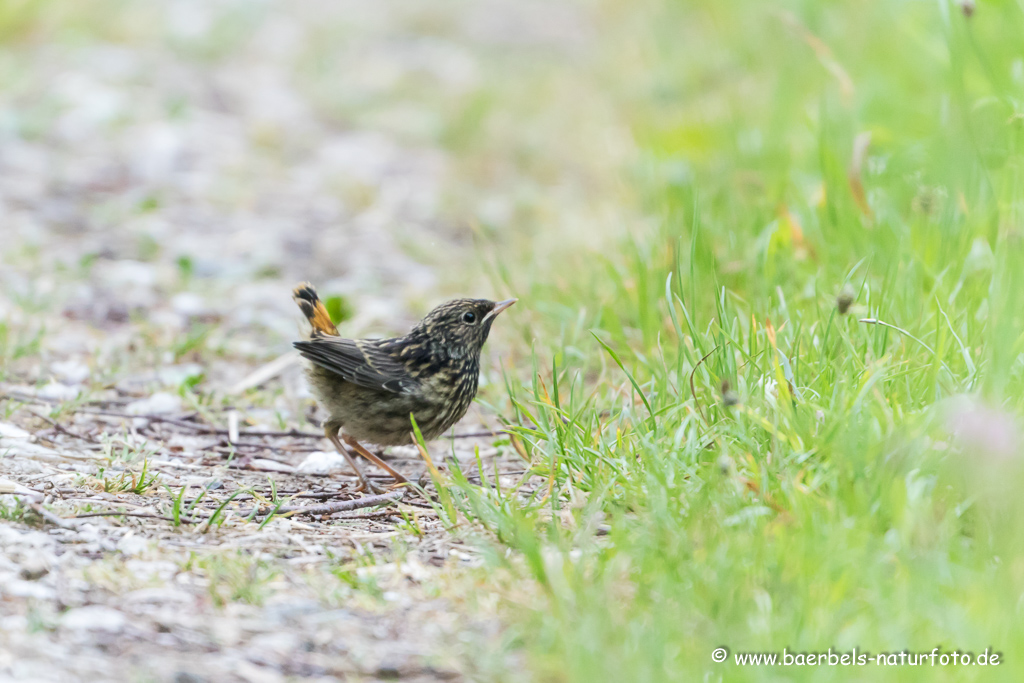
[367, 486]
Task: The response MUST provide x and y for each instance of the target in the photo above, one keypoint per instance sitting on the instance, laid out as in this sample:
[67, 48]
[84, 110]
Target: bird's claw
[368, 486]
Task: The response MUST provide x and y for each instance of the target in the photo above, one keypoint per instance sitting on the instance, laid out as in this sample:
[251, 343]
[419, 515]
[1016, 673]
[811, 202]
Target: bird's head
[460, 327]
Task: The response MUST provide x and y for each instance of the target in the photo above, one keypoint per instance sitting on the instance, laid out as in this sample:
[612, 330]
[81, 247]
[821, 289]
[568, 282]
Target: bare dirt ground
[164, 181]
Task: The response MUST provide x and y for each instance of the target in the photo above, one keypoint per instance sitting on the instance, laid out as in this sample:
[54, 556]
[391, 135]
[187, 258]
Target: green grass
[127, 481]
[774, 471]
[236, 577]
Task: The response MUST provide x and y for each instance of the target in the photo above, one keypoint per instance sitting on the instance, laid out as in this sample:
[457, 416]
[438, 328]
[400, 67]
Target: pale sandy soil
[164, 181]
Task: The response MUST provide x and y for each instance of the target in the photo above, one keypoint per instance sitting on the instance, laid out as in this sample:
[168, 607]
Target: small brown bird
[369, 387]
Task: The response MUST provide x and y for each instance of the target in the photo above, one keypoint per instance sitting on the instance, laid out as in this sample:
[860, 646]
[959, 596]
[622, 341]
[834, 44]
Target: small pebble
[322, 463]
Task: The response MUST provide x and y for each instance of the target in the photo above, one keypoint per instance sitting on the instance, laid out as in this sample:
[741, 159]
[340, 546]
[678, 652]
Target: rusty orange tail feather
[314, 310]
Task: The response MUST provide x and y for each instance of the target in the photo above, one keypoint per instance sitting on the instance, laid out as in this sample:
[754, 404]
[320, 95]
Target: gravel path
[167, 171]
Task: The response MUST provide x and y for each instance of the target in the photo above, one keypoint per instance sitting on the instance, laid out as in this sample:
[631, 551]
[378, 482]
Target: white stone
[130, 544]
[188, 304]
[322, 463]
[58, 392]
[127, 273]
[94, 618]
[71, 371]
[9, 431]
[20, 588]
[175, 375]
[160, 403]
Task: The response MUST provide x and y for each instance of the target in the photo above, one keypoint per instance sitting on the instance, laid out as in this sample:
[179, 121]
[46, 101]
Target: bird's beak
[499, 307]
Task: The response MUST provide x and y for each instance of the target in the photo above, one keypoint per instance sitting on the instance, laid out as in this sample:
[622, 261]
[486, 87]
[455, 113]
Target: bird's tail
[314, 310]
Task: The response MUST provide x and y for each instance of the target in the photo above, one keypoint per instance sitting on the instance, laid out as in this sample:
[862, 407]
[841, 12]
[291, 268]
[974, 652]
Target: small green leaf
[339, 309]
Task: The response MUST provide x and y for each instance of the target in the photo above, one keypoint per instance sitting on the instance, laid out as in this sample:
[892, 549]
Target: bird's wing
[361, 362]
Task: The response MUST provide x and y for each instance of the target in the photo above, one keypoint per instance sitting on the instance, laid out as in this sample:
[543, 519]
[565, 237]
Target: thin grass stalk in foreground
[435, 474]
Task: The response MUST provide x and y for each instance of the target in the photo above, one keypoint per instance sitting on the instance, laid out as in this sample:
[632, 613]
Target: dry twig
[330, 508]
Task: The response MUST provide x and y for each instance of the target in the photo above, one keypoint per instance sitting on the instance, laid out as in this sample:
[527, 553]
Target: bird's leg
[364, 484]
[358, 448]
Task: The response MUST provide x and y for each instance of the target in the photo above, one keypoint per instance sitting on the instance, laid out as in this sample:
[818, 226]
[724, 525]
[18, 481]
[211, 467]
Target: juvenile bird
[369, 387]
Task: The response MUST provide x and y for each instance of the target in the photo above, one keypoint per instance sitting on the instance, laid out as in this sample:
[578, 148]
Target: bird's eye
[469, 317]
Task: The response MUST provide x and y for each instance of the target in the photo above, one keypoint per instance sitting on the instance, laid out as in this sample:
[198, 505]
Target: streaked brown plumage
[369, 387]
